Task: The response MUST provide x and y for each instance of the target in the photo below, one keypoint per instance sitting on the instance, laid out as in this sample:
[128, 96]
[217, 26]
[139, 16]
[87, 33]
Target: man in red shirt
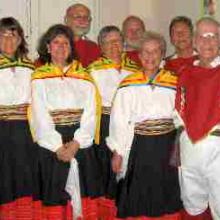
[181, 34]
[78, 18]
[197, 105]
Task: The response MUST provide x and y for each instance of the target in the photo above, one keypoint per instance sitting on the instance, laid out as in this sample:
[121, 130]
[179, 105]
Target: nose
[61, 45]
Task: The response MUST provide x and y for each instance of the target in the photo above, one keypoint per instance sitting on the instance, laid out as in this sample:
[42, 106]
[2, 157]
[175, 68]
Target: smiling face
[9, 42]
[112, 45]
[59, 49]
[207, 41]
[150, 56]
[78, 19]
[181, 36]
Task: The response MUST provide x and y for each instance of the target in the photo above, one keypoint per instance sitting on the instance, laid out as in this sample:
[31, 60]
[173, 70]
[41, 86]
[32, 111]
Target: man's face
[78, 19]
[133, 32]
[207, 41]
[180, 36]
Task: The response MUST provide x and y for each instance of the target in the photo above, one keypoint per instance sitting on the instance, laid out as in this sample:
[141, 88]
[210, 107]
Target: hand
[60, 152]
[116, 162]
[67, 151]
[72, 146]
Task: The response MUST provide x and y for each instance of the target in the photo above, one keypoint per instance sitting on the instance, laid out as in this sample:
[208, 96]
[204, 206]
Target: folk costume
[17, 150]
[65, 107]
[87, 51]
[176, 64]
[108, 76]
[142, 131]
[133, 55]
[197, 106]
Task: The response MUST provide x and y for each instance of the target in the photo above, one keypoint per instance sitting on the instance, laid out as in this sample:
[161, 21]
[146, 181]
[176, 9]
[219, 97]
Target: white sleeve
[121, 127]
[86, 132]
[178, 122]
[41, 122]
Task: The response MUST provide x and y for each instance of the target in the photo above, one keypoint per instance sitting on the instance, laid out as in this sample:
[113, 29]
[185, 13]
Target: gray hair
[76, 6]
[154, 36]
[132, 18]
[207, 19]
[105, 31]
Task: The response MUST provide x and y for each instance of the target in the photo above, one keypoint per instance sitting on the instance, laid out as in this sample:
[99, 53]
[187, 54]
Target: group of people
[110, 131]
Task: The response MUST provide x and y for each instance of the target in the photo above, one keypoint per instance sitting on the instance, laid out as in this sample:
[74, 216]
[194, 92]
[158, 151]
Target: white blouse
[107, 81]
[59, 94]
[134, 104]
[15, 85]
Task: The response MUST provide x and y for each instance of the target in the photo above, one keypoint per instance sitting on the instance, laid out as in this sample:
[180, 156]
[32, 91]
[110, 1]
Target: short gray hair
[154, 36]
[74, 6]
[105, 31]
[207, 19]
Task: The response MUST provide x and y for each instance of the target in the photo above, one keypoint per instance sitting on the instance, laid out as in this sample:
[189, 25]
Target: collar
[213, 64]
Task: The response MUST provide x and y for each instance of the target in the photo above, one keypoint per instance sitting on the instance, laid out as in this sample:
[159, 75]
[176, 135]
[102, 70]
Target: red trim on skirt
[89, 209]
[174, 216]
[106, 208]
[27, 209]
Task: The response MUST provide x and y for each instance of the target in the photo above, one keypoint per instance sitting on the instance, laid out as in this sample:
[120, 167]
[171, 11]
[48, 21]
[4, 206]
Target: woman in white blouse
[142, 136]
[17, 150]
[108, 71]
[64, 117]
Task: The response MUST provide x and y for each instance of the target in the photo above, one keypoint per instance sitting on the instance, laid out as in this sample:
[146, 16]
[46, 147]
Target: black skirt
[150, 187]
[104, 155]
[17, 161]
[53, 173]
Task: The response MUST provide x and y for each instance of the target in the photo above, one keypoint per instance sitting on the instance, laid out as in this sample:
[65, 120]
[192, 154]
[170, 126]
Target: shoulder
[170, 57]
[26, 62]
[42, 72]
[77, 71]
[90, 42]
[129, 64]
[20, 62]
[134, 79]
[167, 78]
[100, 63]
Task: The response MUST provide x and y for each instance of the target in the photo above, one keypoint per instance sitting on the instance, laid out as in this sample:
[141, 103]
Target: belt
[106, 110]
[154, 127]
[13, 112]
[215, 132]
[67, 116]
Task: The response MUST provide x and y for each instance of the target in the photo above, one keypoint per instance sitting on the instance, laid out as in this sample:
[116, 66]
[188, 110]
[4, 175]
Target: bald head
[77, 6]
[78, 18]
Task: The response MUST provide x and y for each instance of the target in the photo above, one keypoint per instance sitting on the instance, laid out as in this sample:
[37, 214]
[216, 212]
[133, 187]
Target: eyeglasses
[210, 36]
[112, 42]
[9, 35]
[81, 18]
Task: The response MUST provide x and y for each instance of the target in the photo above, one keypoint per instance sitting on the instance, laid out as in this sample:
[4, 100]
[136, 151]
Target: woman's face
[9, 42]
[112, 45]
[151, 55]
[59, 49]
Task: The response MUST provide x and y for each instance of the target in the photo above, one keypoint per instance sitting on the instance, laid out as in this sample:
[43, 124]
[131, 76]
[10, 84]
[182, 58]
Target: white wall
[168, 9]
[37, 15]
